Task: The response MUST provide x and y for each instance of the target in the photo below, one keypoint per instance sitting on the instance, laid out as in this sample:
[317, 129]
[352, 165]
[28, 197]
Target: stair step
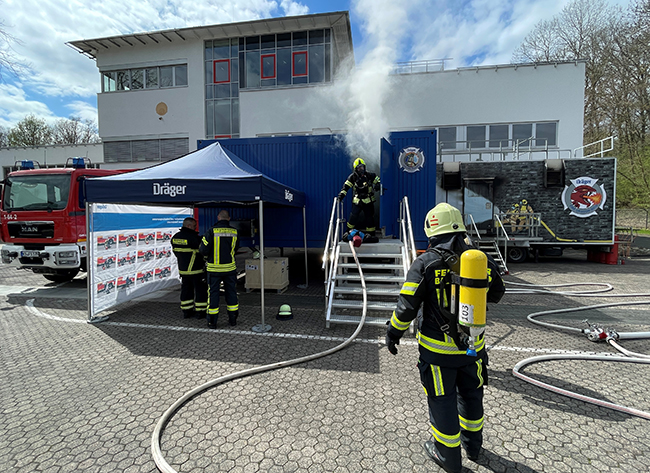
[372, 266]
[371, 277]
[375, 291]
[373, 255]
[354, 319]
[371, 305]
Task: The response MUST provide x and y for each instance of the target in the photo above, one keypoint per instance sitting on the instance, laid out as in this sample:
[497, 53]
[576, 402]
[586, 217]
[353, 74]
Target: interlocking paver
[81, 397]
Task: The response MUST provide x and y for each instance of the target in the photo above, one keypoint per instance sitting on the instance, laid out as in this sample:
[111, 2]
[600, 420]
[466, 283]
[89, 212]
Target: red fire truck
[44, 218]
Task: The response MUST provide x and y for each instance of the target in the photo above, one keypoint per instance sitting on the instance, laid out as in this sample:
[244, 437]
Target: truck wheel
[517, 254]
[63, 275]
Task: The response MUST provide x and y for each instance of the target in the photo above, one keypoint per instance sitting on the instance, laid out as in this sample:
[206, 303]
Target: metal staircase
[384, 272]
[490, 247]
[384, 266]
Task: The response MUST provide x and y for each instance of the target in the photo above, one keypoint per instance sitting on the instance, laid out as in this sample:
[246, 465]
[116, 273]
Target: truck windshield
[36, 192]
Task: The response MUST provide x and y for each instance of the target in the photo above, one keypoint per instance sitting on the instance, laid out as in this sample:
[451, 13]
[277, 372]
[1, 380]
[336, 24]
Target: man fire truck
[44, 218]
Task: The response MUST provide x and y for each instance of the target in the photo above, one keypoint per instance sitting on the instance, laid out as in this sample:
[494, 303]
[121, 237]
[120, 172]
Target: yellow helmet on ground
[359, 162]
[443, 218]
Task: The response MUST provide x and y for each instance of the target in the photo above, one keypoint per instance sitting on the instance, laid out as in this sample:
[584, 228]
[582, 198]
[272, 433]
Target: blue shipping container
[319, 165]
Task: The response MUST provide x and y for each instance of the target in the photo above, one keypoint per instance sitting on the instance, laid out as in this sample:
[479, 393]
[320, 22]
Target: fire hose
[594, 333]
[158, 458]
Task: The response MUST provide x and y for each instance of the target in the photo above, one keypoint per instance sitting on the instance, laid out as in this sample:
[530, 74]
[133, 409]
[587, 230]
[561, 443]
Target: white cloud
[292, 8]
[83, 110]
[15, 105]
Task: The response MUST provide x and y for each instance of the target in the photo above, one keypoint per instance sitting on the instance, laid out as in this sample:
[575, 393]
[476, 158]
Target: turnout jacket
[185, 244]
[218, 246]
[427, 286]
[364, 187]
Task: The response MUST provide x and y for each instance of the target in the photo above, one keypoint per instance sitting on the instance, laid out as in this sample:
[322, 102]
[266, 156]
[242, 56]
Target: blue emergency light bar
[78, 163]
[27, 164]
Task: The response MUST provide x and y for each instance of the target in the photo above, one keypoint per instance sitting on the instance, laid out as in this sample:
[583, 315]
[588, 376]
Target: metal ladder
[384, 271]
[490, 247]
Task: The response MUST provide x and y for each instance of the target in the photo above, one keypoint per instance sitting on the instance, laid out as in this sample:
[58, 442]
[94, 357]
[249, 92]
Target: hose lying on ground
[161, 463]
[594, 333]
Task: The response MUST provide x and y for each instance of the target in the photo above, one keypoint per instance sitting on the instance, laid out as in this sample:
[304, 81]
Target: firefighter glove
[391, 343]
[341, 197]
[377, 186]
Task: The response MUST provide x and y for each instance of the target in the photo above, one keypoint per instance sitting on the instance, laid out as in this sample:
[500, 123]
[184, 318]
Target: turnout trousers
[365, 223]
[194, 293]
[230, 287]
[455, 399]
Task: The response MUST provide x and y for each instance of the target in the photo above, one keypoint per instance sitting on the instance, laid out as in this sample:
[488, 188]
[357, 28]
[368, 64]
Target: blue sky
[61, 82]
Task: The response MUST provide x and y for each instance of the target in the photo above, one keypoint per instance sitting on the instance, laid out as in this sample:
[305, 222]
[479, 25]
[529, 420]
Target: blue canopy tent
[212, 175]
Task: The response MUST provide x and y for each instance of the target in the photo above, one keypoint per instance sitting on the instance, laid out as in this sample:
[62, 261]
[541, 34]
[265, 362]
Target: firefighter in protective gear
[218, 246]
[363, 201]
[194, 289]
[453, 380]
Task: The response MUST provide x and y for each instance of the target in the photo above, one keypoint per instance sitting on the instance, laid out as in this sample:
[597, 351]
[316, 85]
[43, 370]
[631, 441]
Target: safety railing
[473, 229]
[330, 253]
[415, 67]
[522, 224]
[609, 142]
[406, 233]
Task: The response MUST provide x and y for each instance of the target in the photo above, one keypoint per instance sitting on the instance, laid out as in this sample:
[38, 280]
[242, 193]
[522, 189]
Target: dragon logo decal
[583, 197]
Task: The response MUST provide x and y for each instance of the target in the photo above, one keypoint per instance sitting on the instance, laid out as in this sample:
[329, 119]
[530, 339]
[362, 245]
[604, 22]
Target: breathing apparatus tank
[469, 296]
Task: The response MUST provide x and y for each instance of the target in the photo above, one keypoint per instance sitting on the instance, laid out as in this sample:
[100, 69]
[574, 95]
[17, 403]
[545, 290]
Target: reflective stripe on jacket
[363, 186]
[423, 288]
[219, 246]
[186, 244]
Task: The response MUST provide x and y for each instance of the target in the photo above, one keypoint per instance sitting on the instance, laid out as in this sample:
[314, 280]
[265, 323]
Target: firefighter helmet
[359, 162]
[284, 313]
[443, 218]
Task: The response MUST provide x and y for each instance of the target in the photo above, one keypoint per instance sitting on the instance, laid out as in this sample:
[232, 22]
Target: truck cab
[43, 219]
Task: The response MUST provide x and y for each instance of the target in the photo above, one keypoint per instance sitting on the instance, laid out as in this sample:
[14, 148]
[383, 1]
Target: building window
[149, 78]
[447, 137]
[521, 134]
[221, 71]
[476, 136]
[268, 66]
[499, 136]
[299, 64]
[546, 134]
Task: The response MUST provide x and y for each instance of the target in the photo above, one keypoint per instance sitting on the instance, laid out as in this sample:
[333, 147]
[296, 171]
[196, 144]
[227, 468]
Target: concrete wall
[51, 155]
[503, 94]
[131, 115]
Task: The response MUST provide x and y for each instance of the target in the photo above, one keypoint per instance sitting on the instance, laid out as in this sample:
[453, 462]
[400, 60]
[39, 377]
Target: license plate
[30, 254]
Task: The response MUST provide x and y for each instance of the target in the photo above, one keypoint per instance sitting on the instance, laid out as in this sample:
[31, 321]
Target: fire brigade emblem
[411, 159]
[583, 197]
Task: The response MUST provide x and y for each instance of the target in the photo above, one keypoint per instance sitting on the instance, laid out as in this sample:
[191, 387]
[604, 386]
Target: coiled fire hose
[594, 333]
[161, 463]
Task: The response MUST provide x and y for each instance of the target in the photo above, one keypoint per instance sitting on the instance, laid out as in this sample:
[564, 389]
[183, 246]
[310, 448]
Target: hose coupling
[596, 333]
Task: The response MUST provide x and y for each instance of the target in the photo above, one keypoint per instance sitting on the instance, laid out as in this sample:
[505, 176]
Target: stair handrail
[505, 240]
[602, 151]
[328, 241]
[410, 243]
[473, 224]
[330, 275]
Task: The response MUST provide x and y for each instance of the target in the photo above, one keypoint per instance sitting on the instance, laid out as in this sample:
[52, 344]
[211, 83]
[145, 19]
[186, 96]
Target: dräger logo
[166, 189]
[288, 195]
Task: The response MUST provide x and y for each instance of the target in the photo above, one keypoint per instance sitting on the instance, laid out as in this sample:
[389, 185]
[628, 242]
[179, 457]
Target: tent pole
[304, 238]
[261, 327]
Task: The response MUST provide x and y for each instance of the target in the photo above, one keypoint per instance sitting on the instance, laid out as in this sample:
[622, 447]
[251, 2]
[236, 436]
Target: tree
[4, 140]
[30, 131]
[8, 60]
[74, 131]
[614, 45]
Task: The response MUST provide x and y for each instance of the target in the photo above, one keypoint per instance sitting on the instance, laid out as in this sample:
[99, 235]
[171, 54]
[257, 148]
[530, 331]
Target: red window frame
[293, 64]
[262, 66]
[214, 71]
[221, 137]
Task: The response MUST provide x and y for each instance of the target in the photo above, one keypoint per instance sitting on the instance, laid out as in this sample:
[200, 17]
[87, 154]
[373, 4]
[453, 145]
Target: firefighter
[219, 246]
[453, 380]
[363, 201]
[194, 289]
[527, 210]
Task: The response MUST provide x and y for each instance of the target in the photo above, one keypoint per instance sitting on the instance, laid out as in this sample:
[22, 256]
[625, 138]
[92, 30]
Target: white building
[163, 91]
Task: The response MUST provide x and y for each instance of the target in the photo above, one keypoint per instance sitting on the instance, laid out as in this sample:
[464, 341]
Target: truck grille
[31, 229]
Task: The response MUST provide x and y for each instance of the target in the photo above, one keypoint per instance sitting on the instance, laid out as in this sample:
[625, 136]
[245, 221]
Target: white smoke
[362, 92]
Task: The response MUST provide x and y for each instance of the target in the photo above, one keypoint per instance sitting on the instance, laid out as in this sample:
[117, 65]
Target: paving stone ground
[79, 397]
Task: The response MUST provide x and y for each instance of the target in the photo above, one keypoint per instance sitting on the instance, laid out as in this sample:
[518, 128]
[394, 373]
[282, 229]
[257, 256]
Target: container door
[477, 202]
[388, 211]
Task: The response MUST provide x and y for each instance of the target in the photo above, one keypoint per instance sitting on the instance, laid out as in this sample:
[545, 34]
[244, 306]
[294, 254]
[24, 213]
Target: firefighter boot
[188, 314]
[432, 451]
[232, 317]
[200, 314]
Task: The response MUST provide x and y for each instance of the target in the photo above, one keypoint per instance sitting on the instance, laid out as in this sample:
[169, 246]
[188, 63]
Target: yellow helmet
[524, 202]
[359, 162]
[443, 218]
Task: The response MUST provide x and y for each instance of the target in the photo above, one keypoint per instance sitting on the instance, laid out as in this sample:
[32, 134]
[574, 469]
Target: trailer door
[478, 202]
